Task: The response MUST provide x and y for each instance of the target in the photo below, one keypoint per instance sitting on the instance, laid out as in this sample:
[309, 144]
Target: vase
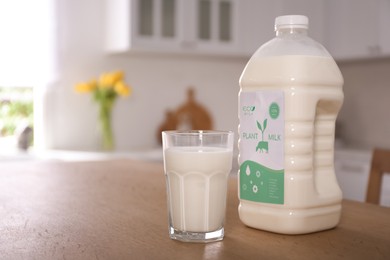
[105, 114]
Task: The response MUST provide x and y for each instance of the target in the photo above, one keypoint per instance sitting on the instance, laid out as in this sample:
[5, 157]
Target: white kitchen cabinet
[256, 25]
[259, 19]
[142, 25]
[384, 27]
[313, 9]
[189, 26]
[212, 26]
[349, 29]
[357, 28]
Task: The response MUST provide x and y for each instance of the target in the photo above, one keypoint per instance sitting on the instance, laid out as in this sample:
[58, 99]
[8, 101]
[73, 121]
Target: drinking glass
[197, 166]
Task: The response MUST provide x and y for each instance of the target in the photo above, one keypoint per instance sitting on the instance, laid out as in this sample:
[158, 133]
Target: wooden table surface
[117, 210]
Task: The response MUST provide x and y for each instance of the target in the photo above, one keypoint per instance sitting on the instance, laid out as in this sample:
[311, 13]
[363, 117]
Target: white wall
[159, 83]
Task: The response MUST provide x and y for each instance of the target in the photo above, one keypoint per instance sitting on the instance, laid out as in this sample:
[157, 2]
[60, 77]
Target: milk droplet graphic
[248, 170]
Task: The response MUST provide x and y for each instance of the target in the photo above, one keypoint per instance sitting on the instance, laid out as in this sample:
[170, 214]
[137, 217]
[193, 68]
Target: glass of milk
[197, 166]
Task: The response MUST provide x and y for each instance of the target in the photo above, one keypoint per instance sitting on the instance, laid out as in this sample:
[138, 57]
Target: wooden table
[117, 210]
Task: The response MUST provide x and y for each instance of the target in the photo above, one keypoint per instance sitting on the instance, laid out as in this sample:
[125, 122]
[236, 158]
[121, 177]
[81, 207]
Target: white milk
[311, 194]
[287, 182]
[197, 181]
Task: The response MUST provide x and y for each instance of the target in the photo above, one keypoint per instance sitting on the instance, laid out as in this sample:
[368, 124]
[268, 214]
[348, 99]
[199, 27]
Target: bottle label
[261, 176]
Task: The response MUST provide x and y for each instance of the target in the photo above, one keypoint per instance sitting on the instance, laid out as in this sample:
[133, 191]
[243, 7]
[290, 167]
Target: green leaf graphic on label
[261, 184]
[259, 126]
[262, 129]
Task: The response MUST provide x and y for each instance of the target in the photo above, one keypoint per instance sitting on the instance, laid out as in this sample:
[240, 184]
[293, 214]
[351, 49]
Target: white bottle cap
[291, 21]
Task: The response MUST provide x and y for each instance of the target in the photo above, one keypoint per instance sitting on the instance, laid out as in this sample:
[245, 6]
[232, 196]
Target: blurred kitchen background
[166, 46]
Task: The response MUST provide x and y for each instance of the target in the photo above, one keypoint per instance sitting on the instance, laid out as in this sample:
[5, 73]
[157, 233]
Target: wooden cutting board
[189, 116]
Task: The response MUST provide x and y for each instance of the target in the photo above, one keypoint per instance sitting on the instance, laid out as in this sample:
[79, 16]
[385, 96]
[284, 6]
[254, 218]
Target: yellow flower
[118, 75]
[107, 87]
[122, 89]
[86, 87]
[108, 80]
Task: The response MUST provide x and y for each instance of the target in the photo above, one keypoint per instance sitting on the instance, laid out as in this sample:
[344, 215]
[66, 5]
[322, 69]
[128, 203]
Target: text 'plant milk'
[290, 95]
[197, 180]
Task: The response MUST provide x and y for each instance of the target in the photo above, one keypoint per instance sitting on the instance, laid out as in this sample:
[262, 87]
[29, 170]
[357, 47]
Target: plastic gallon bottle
[290, 95]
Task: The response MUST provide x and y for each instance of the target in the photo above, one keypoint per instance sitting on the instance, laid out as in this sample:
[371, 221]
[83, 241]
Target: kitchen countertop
[147, 154]
[116, 209]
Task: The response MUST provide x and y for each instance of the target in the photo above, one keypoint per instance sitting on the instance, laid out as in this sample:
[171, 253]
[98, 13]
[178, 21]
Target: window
[26, 59]
[16, 113]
